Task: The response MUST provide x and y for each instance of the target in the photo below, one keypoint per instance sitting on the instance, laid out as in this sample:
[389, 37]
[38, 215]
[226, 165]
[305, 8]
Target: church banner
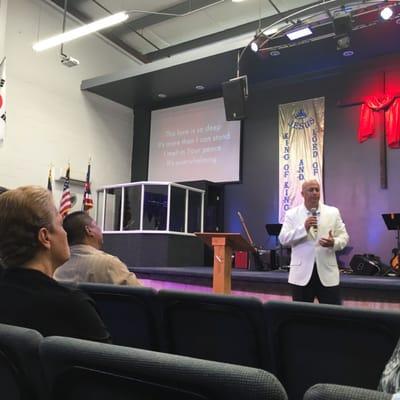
[301, 144]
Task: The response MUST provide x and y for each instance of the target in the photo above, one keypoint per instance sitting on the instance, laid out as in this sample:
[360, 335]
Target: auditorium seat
[81, 370]
[316, 343]
[129, 312]
[340, 392]
[214, 327]
[20, 371]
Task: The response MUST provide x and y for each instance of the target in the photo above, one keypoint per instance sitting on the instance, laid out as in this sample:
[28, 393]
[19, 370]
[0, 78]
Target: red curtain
[393, 124]
[373, 104]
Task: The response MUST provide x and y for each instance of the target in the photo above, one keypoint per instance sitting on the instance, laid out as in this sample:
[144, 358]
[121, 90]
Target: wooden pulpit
[223, 245]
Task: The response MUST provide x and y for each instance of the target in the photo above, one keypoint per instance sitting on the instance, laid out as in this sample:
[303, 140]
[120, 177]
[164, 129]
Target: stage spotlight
[343, 43]
[254, 46]
[386, 13]
[258, 42]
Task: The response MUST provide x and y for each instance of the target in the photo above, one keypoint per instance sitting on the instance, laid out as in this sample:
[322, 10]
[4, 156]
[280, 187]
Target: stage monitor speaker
[235, 95]
[368, 264]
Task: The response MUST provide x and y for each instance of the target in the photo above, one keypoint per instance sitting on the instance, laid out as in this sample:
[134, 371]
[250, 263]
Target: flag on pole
[87, 194]
[49, 181]
[66, 202]
[2, 100]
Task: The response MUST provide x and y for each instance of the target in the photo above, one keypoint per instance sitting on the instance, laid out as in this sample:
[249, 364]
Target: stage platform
[357, 290]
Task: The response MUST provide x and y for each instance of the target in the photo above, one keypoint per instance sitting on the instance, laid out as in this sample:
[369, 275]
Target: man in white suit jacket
[315, 232]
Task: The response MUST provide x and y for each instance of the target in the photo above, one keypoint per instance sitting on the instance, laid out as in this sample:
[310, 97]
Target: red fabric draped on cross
[391, 106]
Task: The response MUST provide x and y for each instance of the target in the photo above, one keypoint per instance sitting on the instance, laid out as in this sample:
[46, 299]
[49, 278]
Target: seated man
[33, 244]
[88, 263]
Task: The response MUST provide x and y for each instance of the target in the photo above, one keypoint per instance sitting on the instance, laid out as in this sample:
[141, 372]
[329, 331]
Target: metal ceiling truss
[290, 19]
[361, 9]
[363, 14]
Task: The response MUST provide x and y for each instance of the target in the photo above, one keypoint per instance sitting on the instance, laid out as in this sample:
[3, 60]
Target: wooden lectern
[223, 245]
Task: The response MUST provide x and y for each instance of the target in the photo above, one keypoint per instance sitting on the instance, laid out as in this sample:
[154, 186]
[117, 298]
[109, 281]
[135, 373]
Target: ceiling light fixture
[386, 13]
[81, 31]
[299, 33]
[259, 41]
[270, 32]
[343, 43]
[348, 53]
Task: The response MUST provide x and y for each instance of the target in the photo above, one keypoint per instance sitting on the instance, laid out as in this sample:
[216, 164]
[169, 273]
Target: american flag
[87, 194]
[66, 203]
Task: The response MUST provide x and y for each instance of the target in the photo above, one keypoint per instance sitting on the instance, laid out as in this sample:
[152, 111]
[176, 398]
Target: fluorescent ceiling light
[81, 31]
[299, 33]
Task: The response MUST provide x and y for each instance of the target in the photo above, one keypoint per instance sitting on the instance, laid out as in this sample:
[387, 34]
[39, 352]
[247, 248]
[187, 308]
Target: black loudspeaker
[265, 260]
[235, 95]
[368, 264]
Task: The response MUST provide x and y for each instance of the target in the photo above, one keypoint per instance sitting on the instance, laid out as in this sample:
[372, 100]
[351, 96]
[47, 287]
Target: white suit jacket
[306, 249]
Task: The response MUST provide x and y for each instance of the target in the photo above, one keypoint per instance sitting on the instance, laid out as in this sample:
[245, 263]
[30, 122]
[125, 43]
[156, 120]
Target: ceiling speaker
[235, 95]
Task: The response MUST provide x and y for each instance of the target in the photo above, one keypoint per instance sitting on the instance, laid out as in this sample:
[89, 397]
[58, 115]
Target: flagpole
[66, 199]
[87, 201]
[50, 179]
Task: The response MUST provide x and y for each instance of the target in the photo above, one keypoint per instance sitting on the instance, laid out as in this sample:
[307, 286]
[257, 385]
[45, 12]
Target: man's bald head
[310, 191]
[308, 183]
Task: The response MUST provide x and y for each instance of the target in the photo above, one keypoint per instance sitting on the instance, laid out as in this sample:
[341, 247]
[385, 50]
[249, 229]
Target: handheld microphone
[314, 214]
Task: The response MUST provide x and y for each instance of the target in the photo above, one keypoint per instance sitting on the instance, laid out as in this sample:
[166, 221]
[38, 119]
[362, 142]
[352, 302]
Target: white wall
[49, 119]
[3, 16]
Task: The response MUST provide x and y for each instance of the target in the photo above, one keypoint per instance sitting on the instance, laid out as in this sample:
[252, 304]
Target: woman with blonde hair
[33, 244]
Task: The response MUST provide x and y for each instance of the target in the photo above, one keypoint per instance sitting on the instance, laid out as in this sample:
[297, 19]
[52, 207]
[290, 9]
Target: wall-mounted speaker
[235, 95]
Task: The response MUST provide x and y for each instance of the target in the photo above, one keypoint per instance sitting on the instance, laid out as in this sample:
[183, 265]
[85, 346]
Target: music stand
[392, 222]
[275, 230]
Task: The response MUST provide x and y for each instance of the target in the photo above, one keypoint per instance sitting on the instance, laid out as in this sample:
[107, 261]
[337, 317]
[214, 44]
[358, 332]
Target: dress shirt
[88, 264]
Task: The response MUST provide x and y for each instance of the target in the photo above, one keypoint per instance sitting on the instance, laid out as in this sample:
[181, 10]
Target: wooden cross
[379, 80]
